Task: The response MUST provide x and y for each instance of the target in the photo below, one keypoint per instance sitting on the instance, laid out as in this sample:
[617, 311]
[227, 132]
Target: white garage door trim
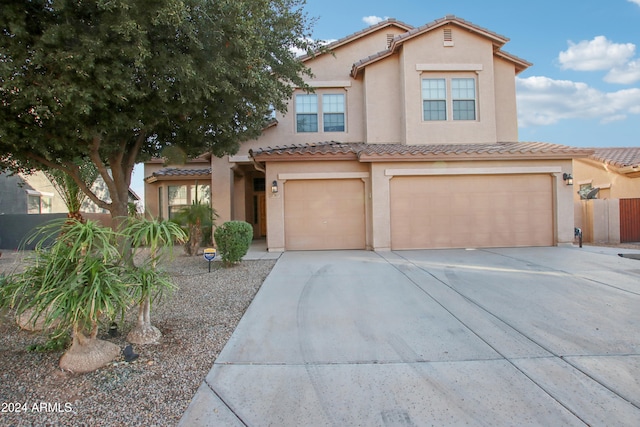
[476, 171]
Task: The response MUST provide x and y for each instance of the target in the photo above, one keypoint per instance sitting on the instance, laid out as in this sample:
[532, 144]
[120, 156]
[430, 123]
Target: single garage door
[324, 214]
[469, 211]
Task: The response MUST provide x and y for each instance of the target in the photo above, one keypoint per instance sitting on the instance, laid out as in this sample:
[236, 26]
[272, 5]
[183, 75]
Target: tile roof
[395, 152]
[181, 172]
[619, 157]
[382, 24]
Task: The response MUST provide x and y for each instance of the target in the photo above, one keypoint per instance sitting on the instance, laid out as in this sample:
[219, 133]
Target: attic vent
[389, 39]
[448, 37]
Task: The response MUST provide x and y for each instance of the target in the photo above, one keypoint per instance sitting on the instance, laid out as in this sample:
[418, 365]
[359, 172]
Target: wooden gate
[629, 220]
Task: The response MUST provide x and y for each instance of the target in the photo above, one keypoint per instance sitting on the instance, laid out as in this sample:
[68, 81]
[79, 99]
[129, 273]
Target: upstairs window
[333, 112]
[306, 113]
[463, 94]
[434, 99]
[444, 98]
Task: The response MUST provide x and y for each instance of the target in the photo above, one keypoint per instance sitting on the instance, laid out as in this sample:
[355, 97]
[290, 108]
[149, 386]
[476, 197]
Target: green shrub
[233, 239]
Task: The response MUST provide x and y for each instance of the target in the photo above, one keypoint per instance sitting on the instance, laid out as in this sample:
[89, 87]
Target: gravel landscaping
[196, 321]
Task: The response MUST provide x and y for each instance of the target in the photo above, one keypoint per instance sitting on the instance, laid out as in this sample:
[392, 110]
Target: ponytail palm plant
[148, 281]
[73, 283]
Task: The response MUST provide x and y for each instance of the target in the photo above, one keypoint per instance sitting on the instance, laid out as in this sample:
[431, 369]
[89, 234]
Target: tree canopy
[119, 81]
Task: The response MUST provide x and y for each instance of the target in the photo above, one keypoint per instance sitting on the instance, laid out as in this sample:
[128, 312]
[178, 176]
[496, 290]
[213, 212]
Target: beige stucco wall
[383, 102]
[467, 52]
[613, 185]
[505, 101]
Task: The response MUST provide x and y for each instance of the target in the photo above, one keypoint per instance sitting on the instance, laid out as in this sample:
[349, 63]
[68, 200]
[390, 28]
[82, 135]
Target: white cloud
[373, 20]
[635, 1]
[596, 54]
[543, 101]
[628, 74]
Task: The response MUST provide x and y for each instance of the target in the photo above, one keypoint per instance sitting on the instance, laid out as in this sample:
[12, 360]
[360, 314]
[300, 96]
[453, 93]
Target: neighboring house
[607, 195]
[34, 194]
[409, 141]
[615, 172]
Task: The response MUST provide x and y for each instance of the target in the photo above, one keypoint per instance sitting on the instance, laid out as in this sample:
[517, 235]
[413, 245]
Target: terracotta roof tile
[181, 172]
[395, 152]
[349, 38]
[619, 156]
[322, 148]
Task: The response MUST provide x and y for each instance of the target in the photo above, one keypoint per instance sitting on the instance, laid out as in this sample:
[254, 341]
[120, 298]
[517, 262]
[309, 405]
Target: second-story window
[326, 116]
[306, 113]
[333, 112]
[463, 94]
[434, 99]
[444, 98]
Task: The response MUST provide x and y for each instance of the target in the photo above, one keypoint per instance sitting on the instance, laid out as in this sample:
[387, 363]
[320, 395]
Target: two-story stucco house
[409, 141]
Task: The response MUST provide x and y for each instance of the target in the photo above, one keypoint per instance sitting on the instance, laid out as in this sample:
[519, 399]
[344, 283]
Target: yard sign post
[209, 255]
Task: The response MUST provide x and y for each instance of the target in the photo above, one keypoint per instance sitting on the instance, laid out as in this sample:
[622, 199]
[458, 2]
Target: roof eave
[357, 35]
[296, 157]
[373, 158]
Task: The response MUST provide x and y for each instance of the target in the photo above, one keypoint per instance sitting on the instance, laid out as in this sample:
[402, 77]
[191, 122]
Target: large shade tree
[117, 81]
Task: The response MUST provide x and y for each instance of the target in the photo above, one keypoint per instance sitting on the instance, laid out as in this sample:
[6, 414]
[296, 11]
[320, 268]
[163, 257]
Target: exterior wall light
[274, 187]
[568, 179]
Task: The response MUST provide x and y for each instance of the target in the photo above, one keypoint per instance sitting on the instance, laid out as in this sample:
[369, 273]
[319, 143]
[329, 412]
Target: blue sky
[583, 89]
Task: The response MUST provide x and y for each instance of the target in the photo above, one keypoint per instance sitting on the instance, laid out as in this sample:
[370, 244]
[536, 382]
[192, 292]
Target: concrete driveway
[528, 336]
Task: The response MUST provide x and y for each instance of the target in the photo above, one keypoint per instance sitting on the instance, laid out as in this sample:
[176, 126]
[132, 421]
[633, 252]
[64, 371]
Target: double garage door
[426, 212]
[470, 211]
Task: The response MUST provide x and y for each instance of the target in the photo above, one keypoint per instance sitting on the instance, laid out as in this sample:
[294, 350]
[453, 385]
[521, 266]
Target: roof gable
[496, 39]
[390, 22]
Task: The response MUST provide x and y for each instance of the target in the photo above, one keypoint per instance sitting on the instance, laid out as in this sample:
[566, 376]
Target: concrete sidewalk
[530, 336]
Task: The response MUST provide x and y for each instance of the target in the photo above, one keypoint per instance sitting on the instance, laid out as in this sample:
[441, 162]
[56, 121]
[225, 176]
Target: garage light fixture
[274, 187]
[568, 179]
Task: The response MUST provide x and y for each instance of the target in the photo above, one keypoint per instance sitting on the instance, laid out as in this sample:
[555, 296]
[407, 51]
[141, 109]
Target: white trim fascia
[473, 171]
[449, 67]
[323, 175]
[39, 193]
[329, 83]
[240, 159]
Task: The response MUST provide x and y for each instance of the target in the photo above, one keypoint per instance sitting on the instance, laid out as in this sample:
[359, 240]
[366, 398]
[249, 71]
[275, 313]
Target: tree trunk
[144, 332]
[87, 354]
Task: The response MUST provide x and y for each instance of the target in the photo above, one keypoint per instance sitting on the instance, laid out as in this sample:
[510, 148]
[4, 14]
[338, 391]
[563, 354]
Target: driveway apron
[529, 336]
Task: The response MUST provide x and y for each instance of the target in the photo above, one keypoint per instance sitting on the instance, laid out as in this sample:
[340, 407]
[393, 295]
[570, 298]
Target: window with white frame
[306, 113]
[313, 116]
[436, 93]
[200, 194]
[463, 95]
[39, 203]
[177, 199]
[333, 112]
[434, 99]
